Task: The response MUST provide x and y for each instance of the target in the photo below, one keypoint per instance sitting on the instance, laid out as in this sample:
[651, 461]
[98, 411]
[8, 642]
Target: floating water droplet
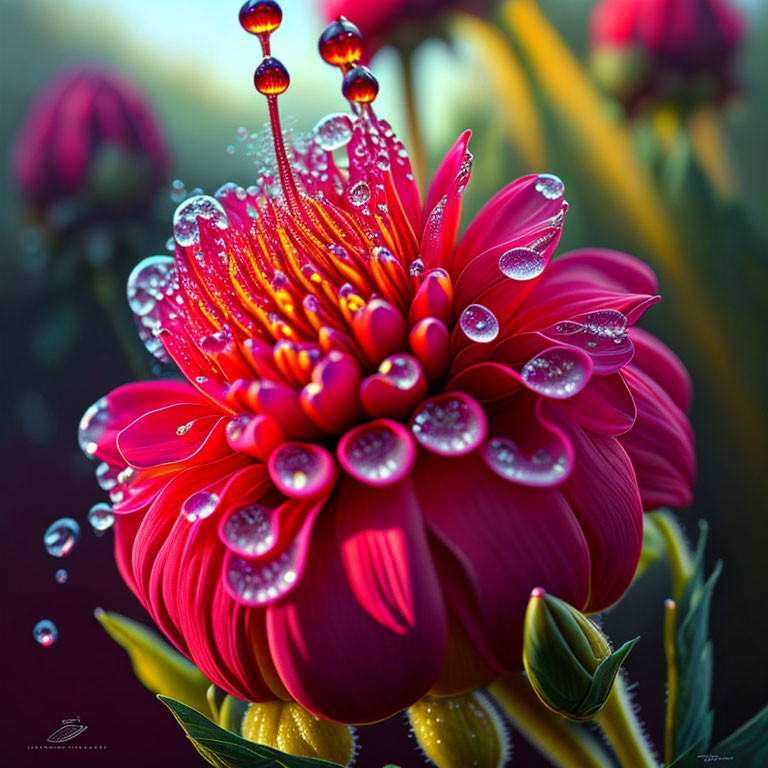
[542, 468]
[101, 517]
[61, 536]
[550, 186]
[402, 370]
[450, 425]
[558, 372]
[522, 263]
[479, 323]
[92, 427]
[185, 219]
[333, 131]
[106, 476]
[231, 149]
[61, 576]
[178, 190]
[170, 245]
[261, 583]
[45, 633]
[199, 506]
[249, 530]
[359, 194]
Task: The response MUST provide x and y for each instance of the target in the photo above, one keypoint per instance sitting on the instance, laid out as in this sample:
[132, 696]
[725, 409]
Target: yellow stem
[564, 743]
[417, 150]
[670, 624]
[678, 553]
[623, 730]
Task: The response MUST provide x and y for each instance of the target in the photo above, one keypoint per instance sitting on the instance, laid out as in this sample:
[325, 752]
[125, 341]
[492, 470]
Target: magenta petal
[602, 491]
[605, 405]
[662, 365]
[450, 424]
[363, 634]
[509, 539]
[660, 444]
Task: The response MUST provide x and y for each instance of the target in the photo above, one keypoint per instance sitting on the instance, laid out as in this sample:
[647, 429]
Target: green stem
[678, 552]
[623, 730]
[112, 303]
[417, 151]
[564, 743]
[670, 651]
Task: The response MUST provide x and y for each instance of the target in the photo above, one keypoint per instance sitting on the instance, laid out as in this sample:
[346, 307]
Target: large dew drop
[558, 373]
[45, 633]
[550, 186]
[402, 370]
[479, 323]
[185, 225]
[249, 530]
[449, 425]
[261, 583]
[101, 517]
[542, 468]
[378, 453]
[199, 506]
[333, 132]
[301, 470]
[522, 263]
[61, 536]
[92, 427]
[359, 194]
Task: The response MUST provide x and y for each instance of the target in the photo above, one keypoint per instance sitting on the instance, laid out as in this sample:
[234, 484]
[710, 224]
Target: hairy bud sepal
[568, 660]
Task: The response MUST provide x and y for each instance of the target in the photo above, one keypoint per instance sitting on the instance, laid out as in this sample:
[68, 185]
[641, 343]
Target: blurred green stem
[564, 743]
[111, 301]
[617, 718]
[418, 154]
[670, 623]
[678, 552]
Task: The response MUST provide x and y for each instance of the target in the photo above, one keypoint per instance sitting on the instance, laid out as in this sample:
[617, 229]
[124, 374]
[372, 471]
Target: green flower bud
[568, 660]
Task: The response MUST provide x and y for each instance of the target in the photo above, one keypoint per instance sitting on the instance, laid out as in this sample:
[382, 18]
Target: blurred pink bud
[665, 51]
[90, 138]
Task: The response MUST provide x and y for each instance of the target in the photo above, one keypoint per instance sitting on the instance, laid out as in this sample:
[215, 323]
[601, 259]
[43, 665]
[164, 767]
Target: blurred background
[663, 159]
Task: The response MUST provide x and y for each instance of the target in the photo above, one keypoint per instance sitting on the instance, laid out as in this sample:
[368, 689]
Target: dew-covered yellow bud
[568, 660]
[459, 731]
[287, 726]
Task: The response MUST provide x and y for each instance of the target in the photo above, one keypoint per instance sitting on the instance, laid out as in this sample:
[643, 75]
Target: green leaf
[747, 745]
[157, 666]
[225, 749]
[693, 716]
[604, 677]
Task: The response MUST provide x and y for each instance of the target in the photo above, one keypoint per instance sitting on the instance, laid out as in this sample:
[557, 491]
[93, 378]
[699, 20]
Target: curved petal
[508, 540]
[660, 445]
[363, 634]
[605, 405]
[662, 365]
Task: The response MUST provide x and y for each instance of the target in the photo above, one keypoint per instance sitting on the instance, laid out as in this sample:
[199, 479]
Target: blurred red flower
[658, 51]
[90, 140]
[403, 23]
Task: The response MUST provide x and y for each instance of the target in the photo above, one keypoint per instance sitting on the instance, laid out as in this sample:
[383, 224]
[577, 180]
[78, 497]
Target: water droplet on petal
[249, 530]
[62, 576]
[92, 427]
[333, 131]
[402, 370]
[259, 583]
[101, 517]
[558, 372]
[199, 506]
[452, 424]
[550, 186]
[359, 194]
[151, 279]
[45, 632]
[416, 268]
[522, 263]
[378, 453]
[61, 536]
[301, 470]
[542, 468]
[185, 226]
[479, 323]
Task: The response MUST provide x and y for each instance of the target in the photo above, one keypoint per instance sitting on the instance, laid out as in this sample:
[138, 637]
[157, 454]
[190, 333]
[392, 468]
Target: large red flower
[386, 438]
